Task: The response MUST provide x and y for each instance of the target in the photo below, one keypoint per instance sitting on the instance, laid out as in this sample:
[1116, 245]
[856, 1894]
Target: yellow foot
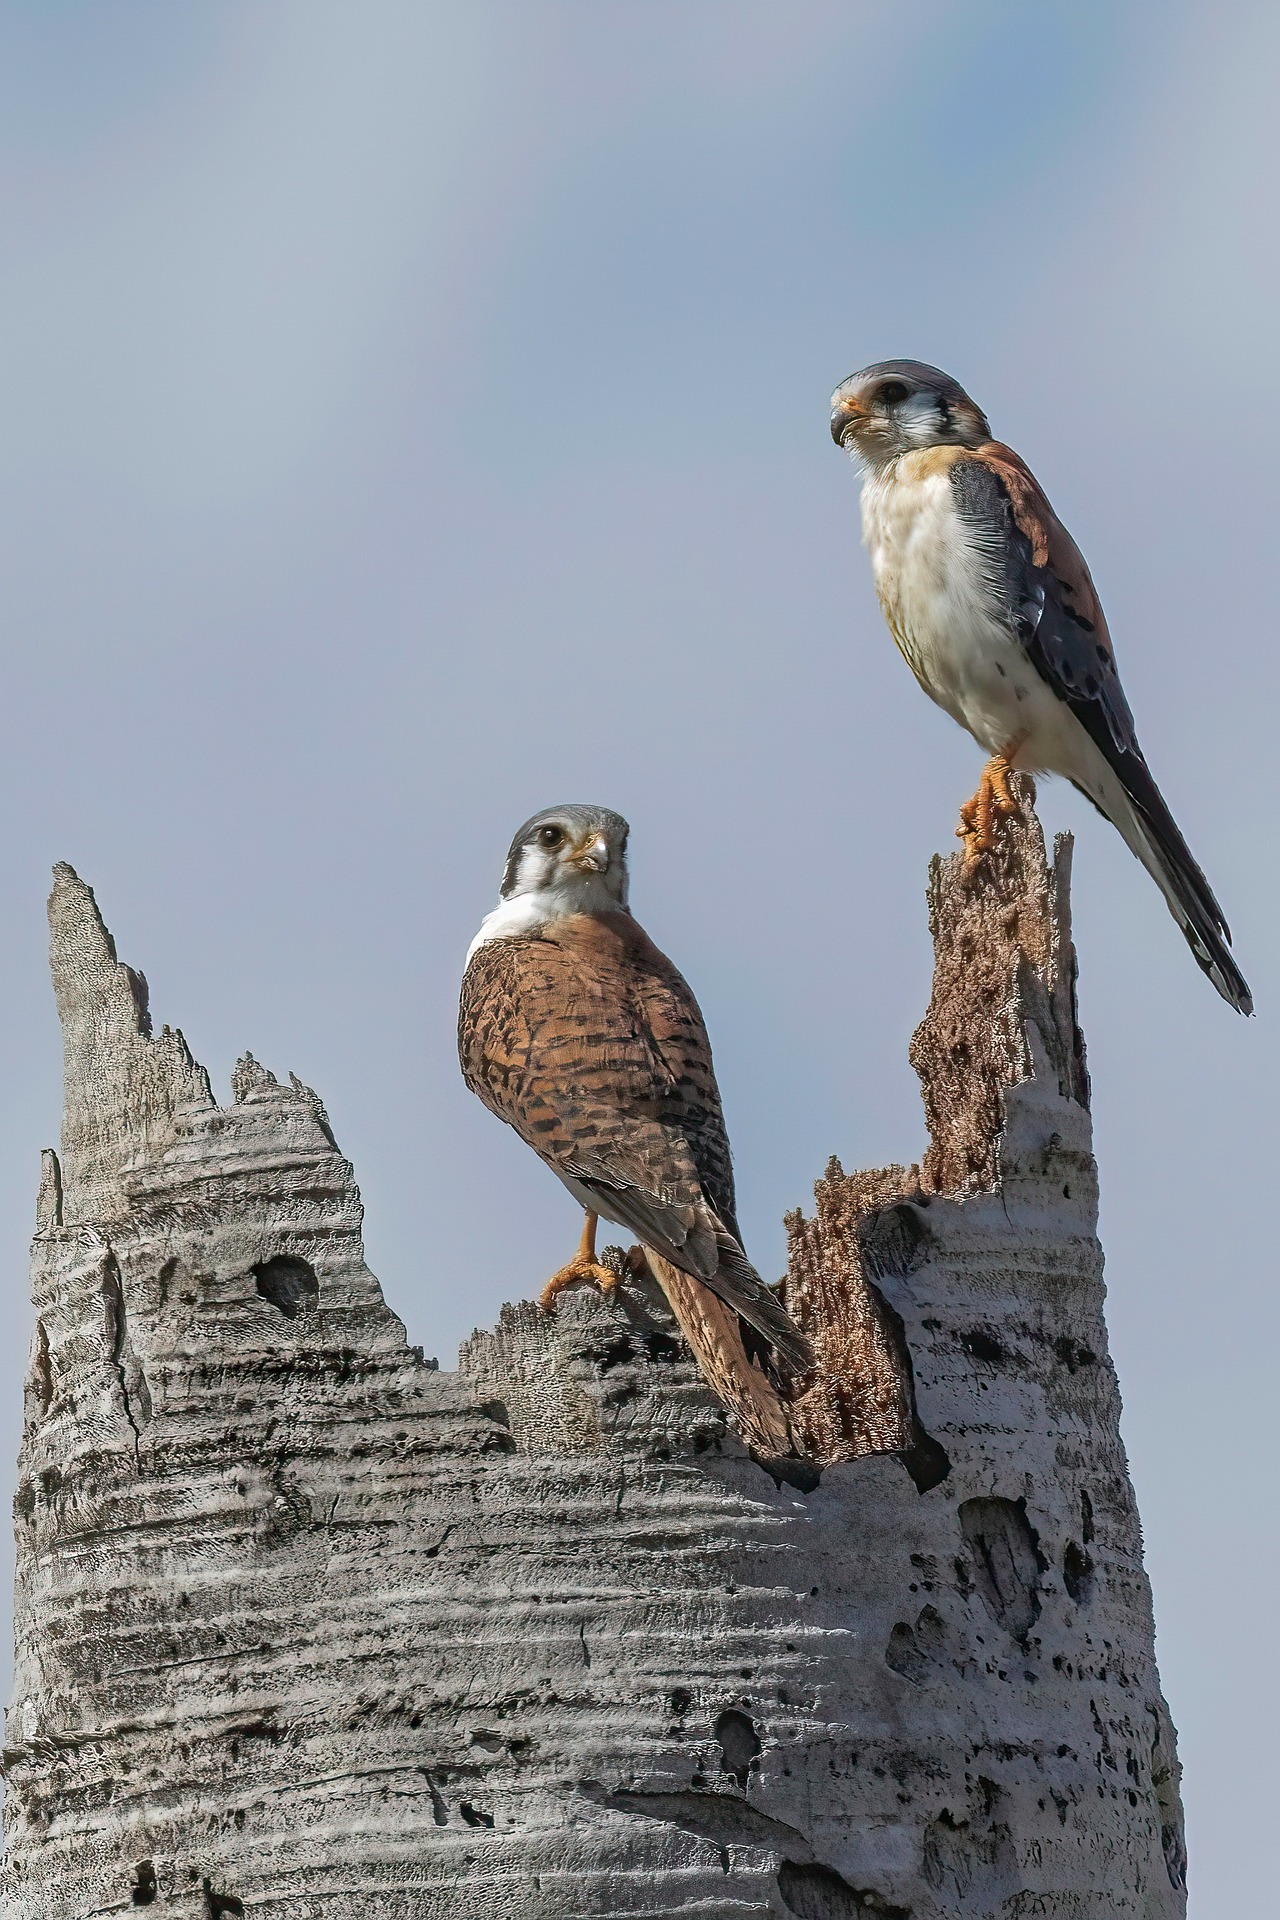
[580, 1272]
[980, 817]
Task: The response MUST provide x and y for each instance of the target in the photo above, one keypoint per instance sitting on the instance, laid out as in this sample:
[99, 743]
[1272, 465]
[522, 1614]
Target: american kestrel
[991, 604]
[580, 1034]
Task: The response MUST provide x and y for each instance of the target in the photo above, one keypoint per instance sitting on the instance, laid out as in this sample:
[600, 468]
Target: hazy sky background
[415, 415]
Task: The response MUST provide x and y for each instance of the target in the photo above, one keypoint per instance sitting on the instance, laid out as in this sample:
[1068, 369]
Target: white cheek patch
[920, 420]
[535, 869]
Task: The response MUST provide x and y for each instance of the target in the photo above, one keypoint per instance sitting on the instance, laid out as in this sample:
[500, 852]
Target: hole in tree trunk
[739, 1744]
[221, 1906]
[820, 1893]
[1077, 1573]
[289, 1284]
[144, 1888]
[1008, 1565]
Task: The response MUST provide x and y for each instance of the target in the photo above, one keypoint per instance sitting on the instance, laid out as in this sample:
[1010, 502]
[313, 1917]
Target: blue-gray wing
[1041, 585]
[1041, 580]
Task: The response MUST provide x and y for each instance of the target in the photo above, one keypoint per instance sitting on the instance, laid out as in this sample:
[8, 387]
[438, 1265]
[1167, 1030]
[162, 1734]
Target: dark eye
[891, 392]
[550, 836]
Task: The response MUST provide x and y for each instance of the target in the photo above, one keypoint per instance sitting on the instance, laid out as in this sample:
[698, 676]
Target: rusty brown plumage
[586, 1039]
[714, 1332]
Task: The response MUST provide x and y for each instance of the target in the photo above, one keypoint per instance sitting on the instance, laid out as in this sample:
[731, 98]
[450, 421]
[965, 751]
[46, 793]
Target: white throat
[524, 913]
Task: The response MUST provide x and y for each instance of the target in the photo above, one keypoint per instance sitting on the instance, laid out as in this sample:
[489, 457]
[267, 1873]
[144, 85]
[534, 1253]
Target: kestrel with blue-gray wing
[991, 604]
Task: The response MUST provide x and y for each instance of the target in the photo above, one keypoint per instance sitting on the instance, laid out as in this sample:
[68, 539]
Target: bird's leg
[980, 817]
[1008, 805]
[583, 1270]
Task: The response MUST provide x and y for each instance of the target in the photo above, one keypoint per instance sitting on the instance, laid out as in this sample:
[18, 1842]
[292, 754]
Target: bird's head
[898, 405]
[574, 857]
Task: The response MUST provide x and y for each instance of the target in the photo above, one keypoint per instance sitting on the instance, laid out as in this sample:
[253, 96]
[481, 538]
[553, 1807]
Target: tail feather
[1138, 809]
[740, 1287]
[692, 1240]
[713, 1331]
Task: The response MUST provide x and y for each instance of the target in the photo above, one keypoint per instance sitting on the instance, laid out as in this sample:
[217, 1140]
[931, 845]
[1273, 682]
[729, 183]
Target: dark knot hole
[289, 1284]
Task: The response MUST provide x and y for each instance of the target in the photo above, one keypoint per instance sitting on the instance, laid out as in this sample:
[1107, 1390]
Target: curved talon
[578, 1273]
[584, 1270]
[980, 817]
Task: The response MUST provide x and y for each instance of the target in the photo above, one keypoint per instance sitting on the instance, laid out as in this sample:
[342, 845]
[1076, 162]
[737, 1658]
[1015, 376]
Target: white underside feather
[934, 583]
[524, 913]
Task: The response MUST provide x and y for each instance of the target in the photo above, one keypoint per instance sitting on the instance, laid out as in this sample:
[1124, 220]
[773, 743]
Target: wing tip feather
[1216, 961]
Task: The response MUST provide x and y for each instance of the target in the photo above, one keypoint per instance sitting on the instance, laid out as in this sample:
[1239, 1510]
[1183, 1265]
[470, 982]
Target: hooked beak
[845, 416]
[593, 855]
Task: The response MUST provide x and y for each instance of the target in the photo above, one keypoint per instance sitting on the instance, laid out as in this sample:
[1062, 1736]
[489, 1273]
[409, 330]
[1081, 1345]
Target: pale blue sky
[412, 415]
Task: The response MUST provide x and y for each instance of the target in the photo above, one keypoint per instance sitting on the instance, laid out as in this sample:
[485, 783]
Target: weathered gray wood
[308, 1628]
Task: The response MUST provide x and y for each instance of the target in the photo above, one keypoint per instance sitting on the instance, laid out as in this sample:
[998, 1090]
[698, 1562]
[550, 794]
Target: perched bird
[580, 1034]
[991, 604]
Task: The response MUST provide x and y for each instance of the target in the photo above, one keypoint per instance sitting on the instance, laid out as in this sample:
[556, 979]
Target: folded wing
[590, 1044]
[1043, 589]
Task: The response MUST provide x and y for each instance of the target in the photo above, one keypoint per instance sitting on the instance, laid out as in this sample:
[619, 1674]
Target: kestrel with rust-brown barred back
[580, 1034]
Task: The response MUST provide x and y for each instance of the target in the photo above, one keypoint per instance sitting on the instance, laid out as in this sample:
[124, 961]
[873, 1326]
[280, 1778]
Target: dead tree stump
[306, 1627]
